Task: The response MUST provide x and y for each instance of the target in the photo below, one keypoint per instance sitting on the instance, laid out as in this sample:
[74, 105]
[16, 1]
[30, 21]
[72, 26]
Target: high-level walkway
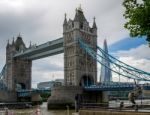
[44, 50]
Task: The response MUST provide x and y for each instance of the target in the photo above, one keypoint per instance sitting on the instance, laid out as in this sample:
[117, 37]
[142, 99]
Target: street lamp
[67, 109]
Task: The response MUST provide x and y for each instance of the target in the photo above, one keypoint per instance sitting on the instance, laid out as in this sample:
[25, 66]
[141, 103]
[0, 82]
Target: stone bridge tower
[18, 70]
[79, 68]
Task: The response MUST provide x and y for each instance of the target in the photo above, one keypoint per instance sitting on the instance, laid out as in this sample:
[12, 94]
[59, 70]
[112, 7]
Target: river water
[43, 109]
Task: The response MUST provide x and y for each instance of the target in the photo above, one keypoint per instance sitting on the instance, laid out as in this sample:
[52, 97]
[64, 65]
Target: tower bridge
[81, 56]
[41, 51]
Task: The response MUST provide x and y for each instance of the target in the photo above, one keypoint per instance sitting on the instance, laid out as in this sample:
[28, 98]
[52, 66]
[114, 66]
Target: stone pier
[63, 96]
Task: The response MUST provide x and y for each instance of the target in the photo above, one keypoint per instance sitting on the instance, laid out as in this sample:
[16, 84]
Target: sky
[40, 21]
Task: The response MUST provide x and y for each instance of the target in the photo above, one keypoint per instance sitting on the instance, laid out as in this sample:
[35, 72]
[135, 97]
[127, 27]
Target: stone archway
[20, 86]
[86, 80]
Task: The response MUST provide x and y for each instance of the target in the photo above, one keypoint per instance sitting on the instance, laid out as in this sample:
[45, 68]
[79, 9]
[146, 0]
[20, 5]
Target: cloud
[141, 52]
[42, 76]
[41, 21]
[36, 19]
[48, 69]
[136, 57]
[49, 64]
[140, 63]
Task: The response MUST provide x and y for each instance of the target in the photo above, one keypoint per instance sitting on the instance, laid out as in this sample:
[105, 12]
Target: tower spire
[79, 16]
[94, 23]
[65, 20]
[80, 8]
[30, 45]
[7, 43]
[13, 42]
[19, 35]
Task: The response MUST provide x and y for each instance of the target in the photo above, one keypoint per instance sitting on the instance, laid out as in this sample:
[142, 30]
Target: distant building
[60, 80]
[106, 75]
[50, 84]
[45, 85]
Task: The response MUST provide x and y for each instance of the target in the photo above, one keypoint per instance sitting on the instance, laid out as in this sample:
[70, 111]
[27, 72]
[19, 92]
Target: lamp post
[67, 109]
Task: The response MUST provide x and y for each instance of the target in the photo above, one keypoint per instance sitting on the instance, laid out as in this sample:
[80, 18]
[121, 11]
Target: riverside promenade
[110, 112]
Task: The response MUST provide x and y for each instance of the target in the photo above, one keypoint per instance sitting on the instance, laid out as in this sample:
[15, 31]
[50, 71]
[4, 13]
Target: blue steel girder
[117, 66]
[44, 50]
[28, 93]
[115, 87]
[2, 74]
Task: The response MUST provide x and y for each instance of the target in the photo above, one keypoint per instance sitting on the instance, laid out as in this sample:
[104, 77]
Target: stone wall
[62, 96]
[8, 96]
[146, 93]
[90, 112]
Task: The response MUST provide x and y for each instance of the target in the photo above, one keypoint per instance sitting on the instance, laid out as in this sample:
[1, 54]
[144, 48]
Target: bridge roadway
[27, 93]
[102, 87]
[115, 87]
[47, 49]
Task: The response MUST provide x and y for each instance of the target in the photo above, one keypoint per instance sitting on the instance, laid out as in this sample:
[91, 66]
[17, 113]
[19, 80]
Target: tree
[137, 13]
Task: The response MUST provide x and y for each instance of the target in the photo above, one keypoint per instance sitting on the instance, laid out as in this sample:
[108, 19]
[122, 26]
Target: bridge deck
[47, 49]
[122, 87]
[27, 93]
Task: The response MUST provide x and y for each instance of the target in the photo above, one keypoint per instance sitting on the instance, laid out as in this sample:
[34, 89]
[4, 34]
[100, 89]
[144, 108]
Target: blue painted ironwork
[2, 74]
[114, 86]
[2, 78]
[28, 93]
[117, 66]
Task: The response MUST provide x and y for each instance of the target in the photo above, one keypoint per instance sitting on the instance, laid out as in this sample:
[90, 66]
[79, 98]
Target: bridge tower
[79, 68]
[18, 73]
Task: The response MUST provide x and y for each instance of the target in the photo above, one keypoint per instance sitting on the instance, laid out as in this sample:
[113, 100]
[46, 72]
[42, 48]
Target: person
[6, 111]
[37, 111]
[76, 103]
[121, 105]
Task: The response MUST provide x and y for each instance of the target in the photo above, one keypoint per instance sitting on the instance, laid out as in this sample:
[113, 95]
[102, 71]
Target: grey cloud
[41, 21]
[141, 52]
[53, 64]
[46, 67]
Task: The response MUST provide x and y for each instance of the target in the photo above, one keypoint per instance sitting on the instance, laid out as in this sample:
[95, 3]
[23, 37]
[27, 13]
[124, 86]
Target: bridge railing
[28, 93]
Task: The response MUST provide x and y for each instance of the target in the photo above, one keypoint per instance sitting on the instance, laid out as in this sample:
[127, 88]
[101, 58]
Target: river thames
[43, 109]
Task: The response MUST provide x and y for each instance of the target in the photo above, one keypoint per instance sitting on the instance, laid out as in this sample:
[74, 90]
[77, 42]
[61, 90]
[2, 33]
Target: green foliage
[137, 14]
[45, 96]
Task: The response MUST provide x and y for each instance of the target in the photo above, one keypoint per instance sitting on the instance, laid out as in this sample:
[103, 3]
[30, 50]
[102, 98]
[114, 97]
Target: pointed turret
[79, 16]
[65, 23]
[8, 44]
[30, 45]
[94, 24]
[13, 42]
[19, 44]
[65, 20]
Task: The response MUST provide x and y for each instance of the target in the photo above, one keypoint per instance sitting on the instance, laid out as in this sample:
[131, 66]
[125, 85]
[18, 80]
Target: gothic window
[70, 63]
[81, 25]
[72, 25]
